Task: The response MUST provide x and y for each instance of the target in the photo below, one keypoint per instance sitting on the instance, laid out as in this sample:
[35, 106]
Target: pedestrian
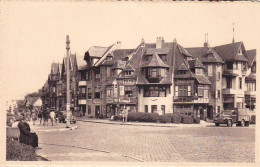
[40, 117]
[26, 136]
[52, 116]
[34, 117]
[124, 113]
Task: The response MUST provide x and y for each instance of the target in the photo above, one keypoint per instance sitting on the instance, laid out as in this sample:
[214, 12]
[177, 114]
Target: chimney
[206, 44]
[159, 42]
[142, 43]
[118, 45]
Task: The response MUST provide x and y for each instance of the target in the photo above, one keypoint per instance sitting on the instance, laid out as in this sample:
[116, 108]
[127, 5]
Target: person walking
[124, 114]
[52, 116]
[26, 136]
[40, 117]
[34, 117]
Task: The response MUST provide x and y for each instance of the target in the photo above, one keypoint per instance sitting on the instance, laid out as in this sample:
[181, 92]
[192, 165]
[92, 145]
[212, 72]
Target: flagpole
[68, 82]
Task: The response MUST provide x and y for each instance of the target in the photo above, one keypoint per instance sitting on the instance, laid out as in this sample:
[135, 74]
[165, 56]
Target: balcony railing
[227, 91]
[127, 99]
[190, 99]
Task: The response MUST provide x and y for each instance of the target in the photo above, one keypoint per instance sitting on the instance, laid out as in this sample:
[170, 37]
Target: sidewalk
[49, 128]
[153, 124]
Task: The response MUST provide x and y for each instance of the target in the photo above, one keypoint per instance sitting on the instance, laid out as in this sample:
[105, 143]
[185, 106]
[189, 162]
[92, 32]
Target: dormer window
[199, 71]
[163, 57]
[182, 72]
[128, 73]
[109, 58]
[147, 57]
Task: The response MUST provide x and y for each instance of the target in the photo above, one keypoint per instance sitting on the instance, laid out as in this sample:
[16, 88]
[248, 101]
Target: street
[107, 142]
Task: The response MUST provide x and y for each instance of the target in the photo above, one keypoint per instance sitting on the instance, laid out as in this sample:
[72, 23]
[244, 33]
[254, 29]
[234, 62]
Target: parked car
[239, 116]
[62, 116]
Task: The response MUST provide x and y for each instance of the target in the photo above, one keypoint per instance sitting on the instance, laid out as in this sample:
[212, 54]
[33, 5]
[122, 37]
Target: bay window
[155, 91]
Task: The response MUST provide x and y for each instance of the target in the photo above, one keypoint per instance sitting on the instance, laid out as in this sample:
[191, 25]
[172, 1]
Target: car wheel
[242, 123]
[229, 123]
[216, 124]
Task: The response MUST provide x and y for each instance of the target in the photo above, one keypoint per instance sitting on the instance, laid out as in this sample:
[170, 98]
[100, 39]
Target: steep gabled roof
[202, 79]
[182, 67]
[151, 51]
[195, 63]
[205, 54]
[97, 51]
[229, 52]
[156, 61]
[81, 63]
[250, 77]
[251, 56]
[54, 68]
[119, 64]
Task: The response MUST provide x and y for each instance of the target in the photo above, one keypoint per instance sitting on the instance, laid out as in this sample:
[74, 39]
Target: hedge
[164, 119]
[16, 151]
[253, 119]
[186, 119]
[143, 117]
[175, 117]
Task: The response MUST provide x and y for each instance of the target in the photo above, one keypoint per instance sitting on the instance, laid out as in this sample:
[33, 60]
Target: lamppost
[68, 83]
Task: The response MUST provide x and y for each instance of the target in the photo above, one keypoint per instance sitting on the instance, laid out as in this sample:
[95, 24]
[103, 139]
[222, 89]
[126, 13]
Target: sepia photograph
[91, 82]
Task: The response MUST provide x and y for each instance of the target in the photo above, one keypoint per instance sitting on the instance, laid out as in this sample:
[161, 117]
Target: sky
[32, 34]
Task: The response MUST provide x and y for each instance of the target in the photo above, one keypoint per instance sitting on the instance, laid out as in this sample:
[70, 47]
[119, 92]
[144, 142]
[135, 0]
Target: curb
[53, 130]
[132, 124]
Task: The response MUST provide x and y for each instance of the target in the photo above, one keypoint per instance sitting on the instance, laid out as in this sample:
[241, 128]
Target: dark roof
[202, 79]
[195, 63]
[229, 52]
[97, 51]
[81, 63]
[45, 86]
[155, 61]
[251, 56]
[151, 51]
[129, 68]
[119, 64]
[54, 68]
[205, 54]
[229, 73]
[250, 77]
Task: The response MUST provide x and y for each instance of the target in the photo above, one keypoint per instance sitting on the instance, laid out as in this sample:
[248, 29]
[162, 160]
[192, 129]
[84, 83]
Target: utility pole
[68, 82]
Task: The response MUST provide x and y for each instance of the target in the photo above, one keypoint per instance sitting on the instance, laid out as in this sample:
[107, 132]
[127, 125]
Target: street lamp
[68, 83]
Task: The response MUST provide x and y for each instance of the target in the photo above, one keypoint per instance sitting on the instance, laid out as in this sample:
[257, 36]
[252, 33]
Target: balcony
[190, 100]
[244, 72]
[82, 83]
[201, 100]
[228, 91]
[82, 102]
[231, 72]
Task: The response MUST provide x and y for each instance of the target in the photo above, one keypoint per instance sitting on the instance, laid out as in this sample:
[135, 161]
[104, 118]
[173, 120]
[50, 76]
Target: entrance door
[210, 112]
[97, 111]
[163, 109]
[83, 110]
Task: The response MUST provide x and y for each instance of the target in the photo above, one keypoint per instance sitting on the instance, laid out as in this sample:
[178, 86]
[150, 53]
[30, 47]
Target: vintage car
[62, 116]
[239, 116]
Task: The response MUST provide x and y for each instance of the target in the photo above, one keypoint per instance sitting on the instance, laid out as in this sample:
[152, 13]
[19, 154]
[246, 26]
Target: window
[89, 93]
[121, 90]
[183, 91]
[218, 76]
[163, 57]
[218, 109]
[128, 81]
[146, 108]
[153, 108]
[109, 58]
[243, 65]
[210, 70]
[97, 95]
[253, 68]
[240, 83]
[128, 73]
[229, 65]
[162, 72]
[229, 82]
[200, 91]
[155, 91]
[251, 86]
[108, 72]
[189, 90]
[199, 71]
[163, 109]
[206, 93]
[89, 76]
[176, 93]
[83, 76]
[153, 72]
[89, 110]
[218, 93]
[109, 92]
[182, 72]
[97, 76]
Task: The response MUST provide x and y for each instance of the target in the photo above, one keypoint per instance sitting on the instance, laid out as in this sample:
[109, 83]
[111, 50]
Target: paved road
[102, 142]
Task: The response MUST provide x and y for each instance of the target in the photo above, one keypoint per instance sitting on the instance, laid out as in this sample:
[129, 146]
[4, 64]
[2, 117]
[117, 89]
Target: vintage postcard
[142, 83]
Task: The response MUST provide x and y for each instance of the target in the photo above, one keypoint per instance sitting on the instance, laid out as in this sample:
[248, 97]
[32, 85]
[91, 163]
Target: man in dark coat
[26, 136]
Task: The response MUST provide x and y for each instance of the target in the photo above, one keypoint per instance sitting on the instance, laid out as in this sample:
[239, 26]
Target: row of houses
[162, 77]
